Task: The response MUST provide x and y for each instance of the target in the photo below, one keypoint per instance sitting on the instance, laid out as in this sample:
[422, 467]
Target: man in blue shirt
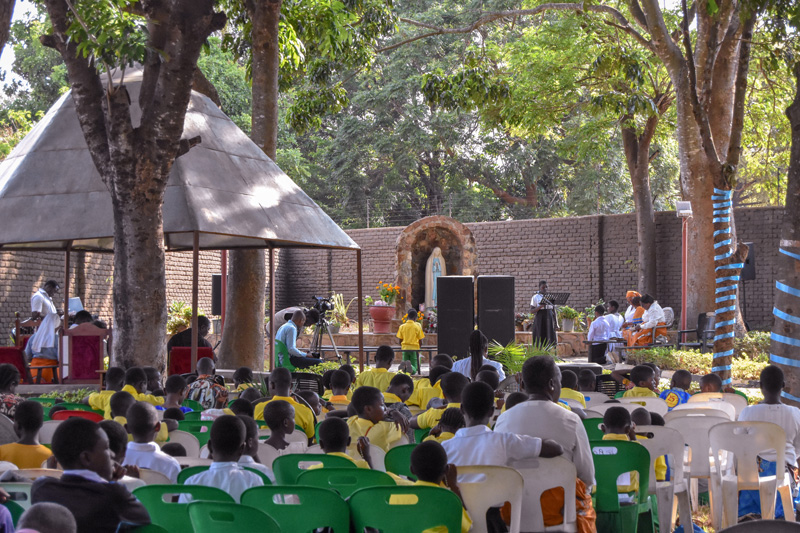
[286, 353]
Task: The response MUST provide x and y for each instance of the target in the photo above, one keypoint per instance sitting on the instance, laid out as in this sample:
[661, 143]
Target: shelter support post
[360, 312]
[223, 287]
[195, 289]
[66, 287]
[271, 308]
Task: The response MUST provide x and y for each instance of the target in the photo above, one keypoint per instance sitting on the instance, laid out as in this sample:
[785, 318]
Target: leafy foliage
[69, 396]
[512, 356]
[743, 368]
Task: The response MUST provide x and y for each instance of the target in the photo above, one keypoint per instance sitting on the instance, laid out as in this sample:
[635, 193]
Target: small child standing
[378, 377]
[26, 452]
[334, 438]
[678, 391]
[452, 420]
[410, 333]
[371, 418]
[143, 452]
[569, 386]
[643, 378]
[279, 416]
[228, 433]
[429, 464]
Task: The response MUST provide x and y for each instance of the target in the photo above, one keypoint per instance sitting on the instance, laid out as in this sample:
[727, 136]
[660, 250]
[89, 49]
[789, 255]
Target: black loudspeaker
[216, 294]
[496, 308]
[749, 269]
[455, 314]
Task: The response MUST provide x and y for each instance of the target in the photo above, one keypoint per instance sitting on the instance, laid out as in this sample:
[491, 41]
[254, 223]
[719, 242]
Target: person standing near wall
[544, 323]
[42, 348]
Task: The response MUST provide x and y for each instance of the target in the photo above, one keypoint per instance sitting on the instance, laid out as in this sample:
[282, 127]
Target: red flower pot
[382, 316]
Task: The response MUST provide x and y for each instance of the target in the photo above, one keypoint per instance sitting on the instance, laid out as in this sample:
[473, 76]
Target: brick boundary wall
[590, 256]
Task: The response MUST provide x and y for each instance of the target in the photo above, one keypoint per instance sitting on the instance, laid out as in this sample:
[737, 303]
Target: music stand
[556, 298]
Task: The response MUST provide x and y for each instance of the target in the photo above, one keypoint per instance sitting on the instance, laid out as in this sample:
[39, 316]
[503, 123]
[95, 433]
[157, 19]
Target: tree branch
[737, 121]
[666, 48]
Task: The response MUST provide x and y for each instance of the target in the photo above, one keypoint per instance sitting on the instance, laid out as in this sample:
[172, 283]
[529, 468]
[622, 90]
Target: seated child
[143, 452]
[452, 420]
[173, 413]
[136, 385]
[118, 444]
[242, 407]
[490, 377]
[678, 391]
[280, 385]
[587, 381]
[115, 379]
[81, 447]
[400, 389]
[243, 379]
[644, 380]
[334, 438]
[643, 417]
[340, 385]
[122, 401]
[279, 416]
[47, 518]
[422, 393]
[657, 372]
[312, 400]
[772, 409]
[176, 390]
[384, 428]
[251, 395]
[228, 433]
[453, 384]
[713, 383]
[378, 377]
[569, 387]
[153, 380]
[26, 452]
[429, 464]
[617, 426]
[326, 384]
[513, 399]
[174, 449]
[249, 456]
[410, 333]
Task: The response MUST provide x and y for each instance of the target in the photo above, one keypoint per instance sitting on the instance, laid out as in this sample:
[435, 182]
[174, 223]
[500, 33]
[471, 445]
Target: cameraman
[286, 352]
[285, 315]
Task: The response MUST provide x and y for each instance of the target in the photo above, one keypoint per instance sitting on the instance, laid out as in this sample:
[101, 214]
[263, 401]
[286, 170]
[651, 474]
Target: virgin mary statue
[433, 269]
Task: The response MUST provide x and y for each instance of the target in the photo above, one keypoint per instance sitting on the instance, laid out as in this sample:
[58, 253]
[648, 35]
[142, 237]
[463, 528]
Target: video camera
[323, 305]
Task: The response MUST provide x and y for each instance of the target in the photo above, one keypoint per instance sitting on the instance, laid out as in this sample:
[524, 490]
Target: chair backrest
[191, 416]
[153, 477]
[591, 413]
[180, 359]
[398, 461]
[746, 440]
[539, 476]
[738, 402]
[601, 409]
[188, 472]
[725, 407]
[307, 381]
[689, 413]
[656, 405]
[664, 441]
[77, 407]
[15, 510]
[18, 492]
[595, 398]
[612, 458]
[298, 508]
[188, 440]
[592, 427]
[377, 454]
[157, 499]
[21, 339]
[36, 473]
[267, 454]
[186, 462]
[213, 517]
[63, 415]
[85, 352]
[669, 316]
[572, 403]
[760, 526]
[47, 431]
[694, 430]
[483, 487]
[194, 405]
[199, 428]
[13, 356]
[287, 468]
[404, 509]
[345, 481]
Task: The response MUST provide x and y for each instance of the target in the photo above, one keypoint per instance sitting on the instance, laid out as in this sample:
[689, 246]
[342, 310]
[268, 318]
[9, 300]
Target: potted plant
[339, 318]
[567, 316]
[382, 311]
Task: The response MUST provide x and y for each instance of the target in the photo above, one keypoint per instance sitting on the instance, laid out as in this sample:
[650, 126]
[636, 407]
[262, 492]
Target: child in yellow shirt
[115, 379]
[569, 388]
[452, 420]
[643, 378]
[26, 452]
[340, 385]
[410, 333]
[378, 377]
[453, 384]
[383, 429]
[334, 439]
[617, 426]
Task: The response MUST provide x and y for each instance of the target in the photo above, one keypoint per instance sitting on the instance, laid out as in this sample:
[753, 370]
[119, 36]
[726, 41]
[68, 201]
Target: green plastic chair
[196, 428]
[431, 507]
[287, 468]
[398, 461]
[420, 434]
[47, 403]
[188, 472]
[303, 513]
[214, 517]
[192, 416]
[592, 426]
[345, 481]
[620, 394]
[150, 528]
[15, 509]
[192, 404]
[612, 458]
[174, 516]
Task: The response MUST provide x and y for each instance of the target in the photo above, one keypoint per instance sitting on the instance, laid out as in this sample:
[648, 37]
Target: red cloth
[180, 359]
[14, 357]
[86, 358]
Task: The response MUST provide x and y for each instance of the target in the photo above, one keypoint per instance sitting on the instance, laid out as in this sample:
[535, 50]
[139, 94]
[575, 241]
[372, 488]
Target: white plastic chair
[595, 398]
[542, 474]
[572, 403]
[297, 436]
[267, 454]
[725, 407]
[671, 495]
[591, 413]
[19, 492]
[153, 477]
[377, 454]
[694, 430]
[47, 431]
[491, 486]
[745, 440]
[189, 442]
[656, 405]
[737, 401]
[35, 473]
[204, 453]
[601, 409]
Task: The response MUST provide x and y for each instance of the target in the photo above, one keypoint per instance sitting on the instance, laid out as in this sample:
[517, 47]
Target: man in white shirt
[42, 300]
[42, 344]
[143, 425]
[599, 331]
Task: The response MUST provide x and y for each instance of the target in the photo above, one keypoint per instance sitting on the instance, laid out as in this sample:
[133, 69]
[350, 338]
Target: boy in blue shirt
[678, 391]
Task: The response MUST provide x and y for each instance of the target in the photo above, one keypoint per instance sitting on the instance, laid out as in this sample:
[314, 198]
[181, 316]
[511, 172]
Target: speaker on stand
[216, 294]
[455, 301]
[496, 308]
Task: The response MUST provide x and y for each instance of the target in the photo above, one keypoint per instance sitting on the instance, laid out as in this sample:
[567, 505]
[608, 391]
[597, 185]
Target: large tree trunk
[786, 328]
[243, 338]
[6, 14]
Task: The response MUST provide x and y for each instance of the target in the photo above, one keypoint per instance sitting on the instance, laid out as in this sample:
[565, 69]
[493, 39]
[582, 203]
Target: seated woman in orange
[653, 317]
[633, 317]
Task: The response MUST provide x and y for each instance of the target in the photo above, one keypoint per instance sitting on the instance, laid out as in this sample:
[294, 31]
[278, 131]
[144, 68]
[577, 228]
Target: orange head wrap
[632, 294]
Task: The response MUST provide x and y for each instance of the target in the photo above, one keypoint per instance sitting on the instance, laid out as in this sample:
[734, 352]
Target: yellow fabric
[341, 399]
[382, 434]
[410, 334]
[243, 386]
[46, 373]
[161, 437]
[419, 384]
[401, 499]
[572, 394]
[25, 455]
[660, 465]
[149, 398]
[376, 377]
[389, 398]
[639, 392]
[424, 392]
[431, 417]
[329, 393]
[634, 481]
[101, 401]
[443, 436]
[303, 416]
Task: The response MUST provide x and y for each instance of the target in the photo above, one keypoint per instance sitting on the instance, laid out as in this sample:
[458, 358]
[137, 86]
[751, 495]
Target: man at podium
[544, 323]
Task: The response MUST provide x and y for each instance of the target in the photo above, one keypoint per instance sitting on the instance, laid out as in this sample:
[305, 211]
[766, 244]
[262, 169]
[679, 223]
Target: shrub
[742, 368]
[754, 345]
[70, 396]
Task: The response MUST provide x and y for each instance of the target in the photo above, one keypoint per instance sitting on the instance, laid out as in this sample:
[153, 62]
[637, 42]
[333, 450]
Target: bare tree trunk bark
[6, 14]
[786, 328]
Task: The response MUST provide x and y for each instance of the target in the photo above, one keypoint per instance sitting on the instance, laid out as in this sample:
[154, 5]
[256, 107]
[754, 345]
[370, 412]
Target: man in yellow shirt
[136, 386]
[115, 379]
[372, 420]
[644, 381]
[378, 377]
[453, 384]
[280, 384]
[410, 333]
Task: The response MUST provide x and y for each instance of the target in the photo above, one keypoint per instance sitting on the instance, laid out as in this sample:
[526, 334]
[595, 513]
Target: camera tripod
[320, 328]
